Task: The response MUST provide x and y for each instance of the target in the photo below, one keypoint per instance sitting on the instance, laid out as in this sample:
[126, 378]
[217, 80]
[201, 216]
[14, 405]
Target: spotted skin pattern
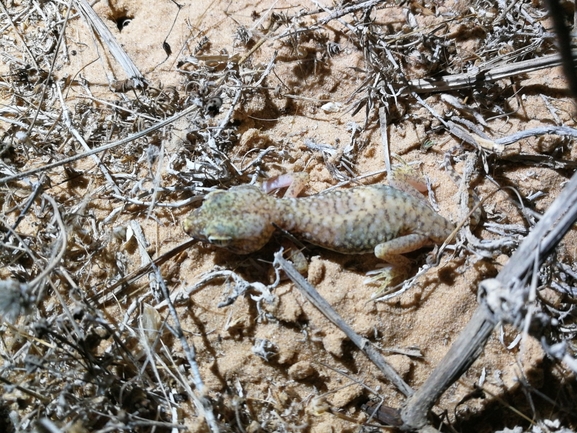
[363, 219]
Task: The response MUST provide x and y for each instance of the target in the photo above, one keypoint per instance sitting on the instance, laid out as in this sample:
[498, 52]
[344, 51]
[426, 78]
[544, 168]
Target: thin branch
[483, 75]
[324, 307]
[200, 396]
[103, 148]
[500, 298]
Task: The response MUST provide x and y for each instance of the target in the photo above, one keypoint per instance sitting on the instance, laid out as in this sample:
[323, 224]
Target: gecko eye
[219, 241]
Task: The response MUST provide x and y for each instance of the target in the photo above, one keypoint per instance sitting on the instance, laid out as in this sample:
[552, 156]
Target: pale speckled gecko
[362, 219]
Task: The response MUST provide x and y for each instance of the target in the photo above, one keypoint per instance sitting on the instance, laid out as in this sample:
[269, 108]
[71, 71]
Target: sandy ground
[314, 379]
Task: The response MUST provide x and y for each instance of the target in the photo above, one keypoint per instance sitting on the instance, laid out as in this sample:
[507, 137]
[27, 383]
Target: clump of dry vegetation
[112, 320]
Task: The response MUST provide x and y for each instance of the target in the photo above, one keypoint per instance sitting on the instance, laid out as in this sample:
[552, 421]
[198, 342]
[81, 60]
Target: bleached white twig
[109, 40]
[200, 398]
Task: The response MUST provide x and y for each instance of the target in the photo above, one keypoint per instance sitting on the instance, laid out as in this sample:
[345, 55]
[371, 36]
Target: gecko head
[232, 220]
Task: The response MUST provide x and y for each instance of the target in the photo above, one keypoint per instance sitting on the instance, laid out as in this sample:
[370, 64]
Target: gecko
[377, 219]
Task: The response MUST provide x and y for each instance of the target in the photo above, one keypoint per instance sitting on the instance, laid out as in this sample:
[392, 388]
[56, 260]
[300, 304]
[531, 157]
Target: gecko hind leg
[387, 277]
[399, 266]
